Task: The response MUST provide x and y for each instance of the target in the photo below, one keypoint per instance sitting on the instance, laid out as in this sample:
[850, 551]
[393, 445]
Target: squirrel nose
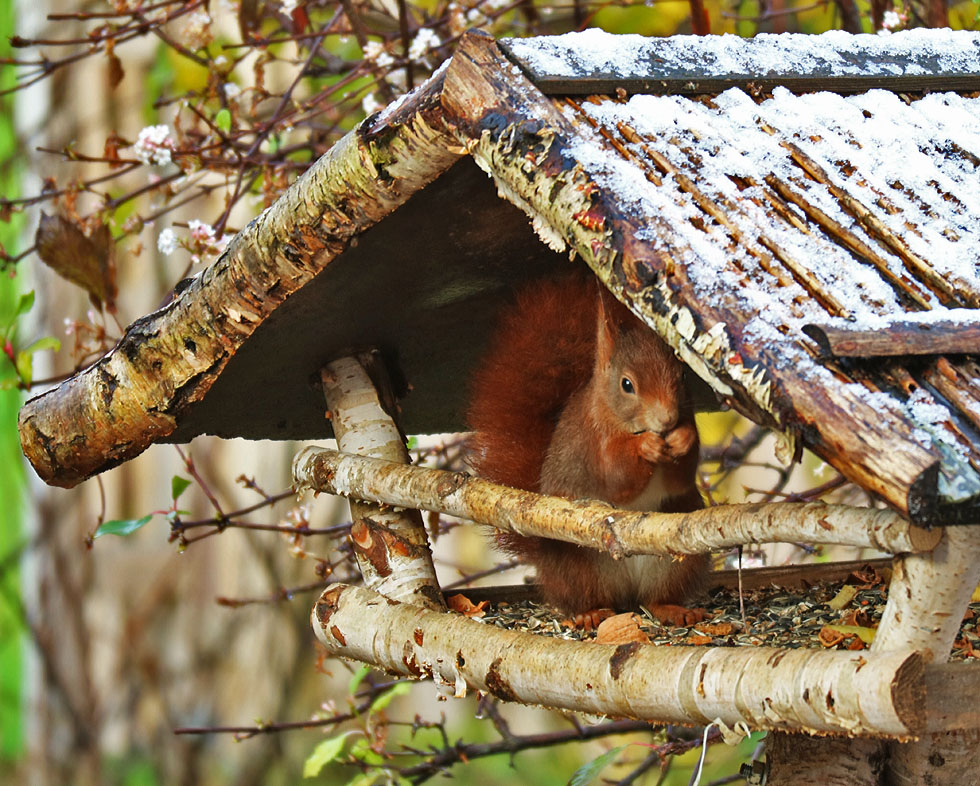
[663, 424]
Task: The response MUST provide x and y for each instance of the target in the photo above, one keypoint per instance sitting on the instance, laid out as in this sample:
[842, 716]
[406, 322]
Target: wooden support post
[801, 760]
[927, 598]
[391, 546]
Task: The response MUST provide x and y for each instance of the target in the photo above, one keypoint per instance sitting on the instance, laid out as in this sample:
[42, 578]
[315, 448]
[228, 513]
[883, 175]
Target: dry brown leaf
[699, 641]
[87, 261]
[621, 629]
[110, 150]
[830, 637]
[865, 577]
[715, 628]
[857, 617]
[116, 71]
[465, 606]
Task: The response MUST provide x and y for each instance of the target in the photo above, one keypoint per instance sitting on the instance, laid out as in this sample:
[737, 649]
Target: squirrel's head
[641, 379]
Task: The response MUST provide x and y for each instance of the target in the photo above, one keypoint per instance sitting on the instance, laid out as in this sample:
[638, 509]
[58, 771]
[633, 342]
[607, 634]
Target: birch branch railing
[793, 690]
[596, 524]
[767, 688]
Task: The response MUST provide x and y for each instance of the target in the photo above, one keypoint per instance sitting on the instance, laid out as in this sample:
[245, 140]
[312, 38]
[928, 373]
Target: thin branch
[283, 594]
[461, 752]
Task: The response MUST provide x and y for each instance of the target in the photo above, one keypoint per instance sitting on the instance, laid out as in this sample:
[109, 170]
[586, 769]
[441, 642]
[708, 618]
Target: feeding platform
[796, 216]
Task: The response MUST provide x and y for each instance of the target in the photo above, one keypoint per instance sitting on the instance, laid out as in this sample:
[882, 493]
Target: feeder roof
[801, 229]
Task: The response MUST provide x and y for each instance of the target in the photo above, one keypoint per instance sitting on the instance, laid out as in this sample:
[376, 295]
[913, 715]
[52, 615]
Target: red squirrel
[576, 397]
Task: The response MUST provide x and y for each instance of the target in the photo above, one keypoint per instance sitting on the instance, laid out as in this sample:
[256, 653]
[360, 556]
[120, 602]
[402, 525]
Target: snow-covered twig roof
[853, 213]
[738, 222]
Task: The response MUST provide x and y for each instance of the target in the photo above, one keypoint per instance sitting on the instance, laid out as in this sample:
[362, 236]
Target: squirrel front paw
[677, 443]
[678, 616]
[681, 440]
[654, 448]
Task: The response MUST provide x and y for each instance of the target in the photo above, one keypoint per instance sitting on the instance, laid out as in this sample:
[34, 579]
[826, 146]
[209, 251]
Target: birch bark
[391, 547]
[766, 688]
[596, 524]
[927, 598]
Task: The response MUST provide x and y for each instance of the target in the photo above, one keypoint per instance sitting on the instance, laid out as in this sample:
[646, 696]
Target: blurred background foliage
[135, 139]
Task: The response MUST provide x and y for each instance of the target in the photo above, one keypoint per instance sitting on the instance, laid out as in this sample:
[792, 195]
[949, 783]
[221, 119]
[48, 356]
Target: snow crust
[834, 53]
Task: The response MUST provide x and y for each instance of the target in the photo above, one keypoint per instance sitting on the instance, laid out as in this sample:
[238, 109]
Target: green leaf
[223, 120]
[357, 679]
[399, 689]
[48, 342]
[121, 526]
[25, 367]
[364, 778]
[270, 145]
[361, 750]
[588, 771]
[178, 486]
[24, 304]
[324, 753]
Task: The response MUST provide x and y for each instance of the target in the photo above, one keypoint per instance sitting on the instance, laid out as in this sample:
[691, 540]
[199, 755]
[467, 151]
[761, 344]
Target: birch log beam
[596, 524]
[810, 690]
[391, 547]
[927, 598]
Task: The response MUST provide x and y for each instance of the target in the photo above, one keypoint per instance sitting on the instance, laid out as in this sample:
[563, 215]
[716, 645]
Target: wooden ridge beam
[590, 63]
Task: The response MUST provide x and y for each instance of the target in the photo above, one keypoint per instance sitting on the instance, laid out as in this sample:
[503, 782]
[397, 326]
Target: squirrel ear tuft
[611, 310]
[608, 324]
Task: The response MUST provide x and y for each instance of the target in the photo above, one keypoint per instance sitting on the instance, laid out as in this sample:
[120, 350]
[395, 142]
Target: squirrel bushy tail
[541, 352]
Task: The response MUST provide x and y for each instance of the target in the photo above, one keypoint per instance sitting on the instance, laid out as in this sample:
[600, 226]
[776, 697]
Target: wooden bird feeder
[797, 216]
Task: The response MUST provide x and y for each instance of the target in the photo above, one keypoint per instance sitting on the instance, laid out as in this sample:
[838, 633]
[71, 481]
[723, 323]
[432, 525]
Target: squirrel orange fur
[576, 397]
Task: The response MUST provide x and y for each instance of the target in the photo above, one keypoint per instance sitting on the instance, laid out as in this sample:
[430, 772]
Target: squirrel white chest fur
[642, 575]
[657, 491]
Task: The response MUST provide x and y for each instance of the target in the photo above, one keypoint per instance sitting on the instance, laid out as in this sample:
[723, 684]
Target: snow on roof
[817, 208]
[834, 54]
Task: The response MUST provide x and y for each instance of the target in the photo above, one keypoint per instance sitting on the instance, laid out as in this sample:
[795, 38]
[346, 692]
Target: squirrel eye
[627, 385]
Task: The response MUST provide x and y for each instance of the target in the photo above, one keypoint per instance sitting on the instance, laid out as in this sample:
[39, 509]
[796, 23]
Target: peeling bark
[927, 598]
[391, 547]
[766, 688]
[167, 361]
[596, 524]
